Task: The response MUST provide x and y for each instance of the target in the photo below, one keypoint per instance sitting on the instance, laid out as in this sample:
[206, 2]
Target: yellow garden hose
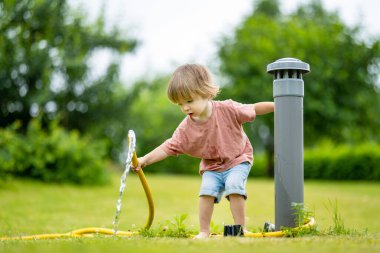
[310, 224]
[147, 191]
[91, 231]
[83, 232]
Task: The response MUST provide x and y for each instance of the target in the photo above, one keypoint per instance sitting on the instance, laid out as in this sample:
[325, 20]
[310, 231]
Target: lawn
[28, 207]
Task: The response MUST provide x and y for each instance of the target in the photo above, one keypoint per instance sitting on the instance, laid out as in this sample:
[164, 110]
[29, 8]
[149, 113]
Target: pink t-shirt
[220, 141]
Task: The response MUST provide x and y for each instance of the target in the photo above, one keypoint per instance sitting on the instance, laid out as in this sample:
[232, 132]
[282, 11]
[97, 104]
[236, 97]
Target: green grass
[28, 207]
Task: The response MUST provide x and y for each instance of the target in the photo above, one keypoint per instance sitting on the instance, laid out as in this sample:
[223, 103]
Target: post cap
[288, 63]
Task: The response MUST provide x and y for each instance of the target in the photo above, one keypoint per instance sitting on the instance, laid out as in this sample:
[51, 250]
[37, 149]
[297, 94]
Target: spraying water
[123, 180]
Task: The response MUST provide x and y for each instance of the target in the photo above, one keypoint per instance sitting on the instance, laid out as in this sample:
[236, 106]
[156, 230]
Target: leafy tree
[44, 51]
[341, 95]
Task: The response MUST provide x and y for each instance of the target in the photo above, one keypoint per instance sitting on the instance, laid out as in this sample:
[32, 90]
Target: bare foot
[246, 232]
[202, 235]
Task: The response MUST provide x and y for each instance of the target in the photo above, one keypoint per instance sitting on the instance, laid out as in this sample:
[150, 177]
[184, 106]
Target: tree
[44, 53]
[341, 94]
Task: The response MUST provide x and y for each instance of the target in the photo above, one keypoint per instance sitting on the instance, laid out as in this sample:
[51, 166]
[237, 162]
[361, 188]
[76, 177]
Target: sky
[174, 32]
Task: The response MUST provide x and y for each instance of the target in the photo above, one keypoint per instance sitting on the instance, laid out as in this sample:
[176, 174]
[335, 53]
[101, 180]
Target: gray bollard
[288, 92]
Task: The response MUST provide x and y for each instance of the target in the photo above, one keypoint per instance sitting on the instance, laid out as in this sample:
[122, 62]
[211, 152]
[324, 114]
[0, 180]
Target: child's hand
[156, 155]
[142, 163]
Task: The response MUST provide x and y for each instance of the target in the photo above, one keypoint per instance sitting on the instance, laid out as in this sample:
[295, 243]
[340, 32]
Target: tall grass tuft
[338, 227]
[175, 227]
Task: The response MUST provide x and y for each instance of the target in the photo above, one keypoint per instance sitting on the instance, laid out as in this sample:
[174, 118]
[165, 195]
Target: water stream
[123, 180]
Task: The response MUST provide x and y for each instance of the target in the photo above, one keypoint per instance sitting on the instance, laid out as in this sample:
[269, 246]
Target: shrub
[259, 165]
[343, 162]
[54, 155]
[10, 146]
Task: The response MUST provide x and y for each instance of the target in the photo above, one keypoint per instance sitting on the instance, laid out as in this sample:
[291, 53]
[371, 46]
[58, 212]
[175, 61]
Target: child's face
[197, 108]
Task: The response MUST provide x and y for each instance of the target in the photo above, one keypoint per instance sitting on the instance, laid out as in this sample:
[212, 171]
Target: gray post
[288, 95]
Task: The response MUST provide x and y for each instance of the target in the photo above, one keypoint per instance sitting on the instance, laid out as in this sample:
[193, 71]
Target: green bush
[259, 165]
[10, 146]
[52, 155]
[343, 162]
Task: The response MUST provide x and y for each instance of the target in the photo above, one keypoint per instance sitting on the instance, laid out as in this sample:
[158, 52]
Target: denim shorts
[231, 181]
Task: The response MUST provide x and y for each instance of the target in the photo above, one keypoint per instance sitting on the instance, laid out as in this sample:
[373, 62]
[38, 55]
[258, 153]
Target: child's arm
[154, 156]
[264, 107]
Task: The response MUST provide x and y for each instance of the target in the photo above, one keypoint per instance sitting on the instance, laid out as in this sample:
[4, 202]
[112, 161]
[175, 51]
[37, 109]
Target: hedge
[334, 162]
[52, 155]
[343, 162]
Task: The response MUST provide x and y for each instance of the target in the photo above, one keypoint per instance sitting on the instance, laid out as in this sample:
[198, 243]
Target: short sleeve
[172, 146]
[244, 112]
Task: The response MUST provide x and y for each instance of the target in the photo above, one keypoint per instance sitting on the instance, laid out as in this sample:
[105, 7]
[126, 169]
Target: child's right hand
[156, 155]
[142, 163]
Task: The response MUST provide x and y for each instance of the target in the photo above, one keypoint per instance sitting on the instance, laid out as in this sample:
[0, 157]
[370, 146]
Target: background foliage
[341, 99]
[343, 162]
[45, 76]
[45, 48]
[331, 161]
[51, 155]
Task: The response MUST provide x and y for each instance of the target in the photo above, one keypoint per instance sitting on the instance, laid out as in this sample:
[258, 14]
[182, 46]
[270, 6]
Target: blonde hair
[189, 80]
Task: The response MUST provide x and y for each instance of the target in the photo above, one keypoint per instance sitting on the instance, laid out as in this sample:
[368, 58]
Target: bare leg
[237, 206]
[206, 207]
